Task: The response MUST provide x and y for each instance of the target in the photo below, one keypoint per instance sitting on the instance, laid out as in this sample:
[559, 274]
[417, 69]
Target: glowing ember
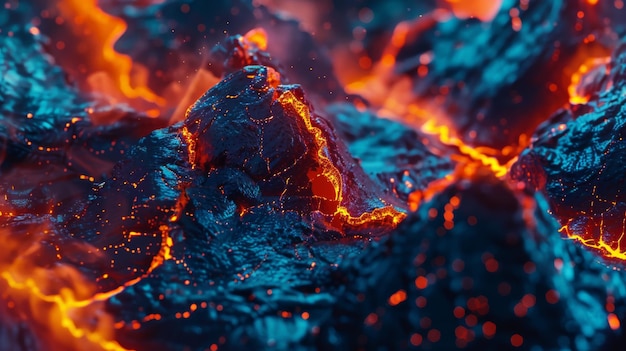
[258, 36]
[585, 71]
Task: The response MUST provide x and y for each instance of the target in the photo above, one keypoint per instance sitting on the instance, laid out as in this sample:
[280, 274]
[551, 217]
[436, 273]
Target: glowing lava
[63, 298]
[60, 298]
[479, 154]
[326, 181]
[110, 72]
[610, 250]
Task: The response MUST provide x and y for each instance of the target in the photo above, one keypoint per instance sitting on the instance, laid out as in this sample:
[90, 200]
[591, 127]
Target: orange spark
[397, 298]
[614, 322]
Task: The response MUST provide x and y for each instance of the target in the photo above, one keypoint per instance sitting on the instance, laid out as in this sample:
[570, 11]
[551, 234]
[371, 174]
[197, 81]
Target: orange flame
[103, 30]
[59, 297]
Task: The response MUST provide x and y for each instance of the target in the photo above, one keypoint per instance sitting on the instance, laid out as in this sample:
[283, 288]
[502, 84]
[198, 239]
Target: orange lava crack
[603, 247]
[330, 175]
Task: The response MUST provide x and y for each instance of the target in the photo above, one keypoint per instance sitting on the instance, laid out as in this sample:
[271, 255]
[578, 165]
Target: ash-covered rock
[251, 159]
[237, 52]
[492, 281]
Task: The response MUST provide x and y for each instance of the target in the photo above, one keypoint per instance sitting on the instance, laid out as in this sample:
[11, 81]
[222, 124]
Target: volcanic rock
[576, 158]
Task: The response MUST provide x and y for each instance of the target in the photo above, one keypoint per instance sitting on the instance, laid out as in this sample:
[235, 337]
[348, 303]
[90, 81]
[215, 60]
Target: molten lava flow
[63, 304]
[576, 89]
[100, 31]
[326, 181]
[398, 103]
[610, 250]
[479, 154]
[60, 296]
[189, 139]
[69, 312]
[396, 100]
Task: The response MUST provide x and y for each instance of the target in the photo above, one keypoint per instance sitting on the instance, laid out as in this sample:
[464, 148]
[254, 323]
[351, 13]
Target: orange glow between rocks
[64, 307]
[61, 297]
[328, 180]
[190, 140]
[421, 196]
[395, 101]
[474, 153]
[328, 175]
